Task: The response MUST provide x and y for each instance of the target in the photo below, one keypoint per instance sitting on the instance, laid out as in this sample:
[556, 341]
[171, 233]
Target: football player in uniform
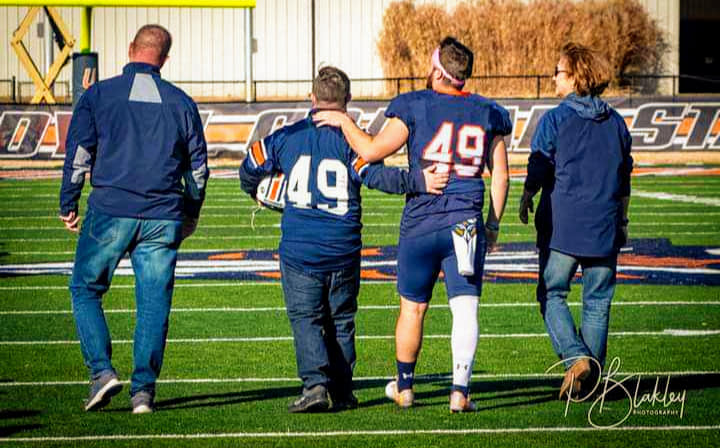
[320, 243]
[463, 133]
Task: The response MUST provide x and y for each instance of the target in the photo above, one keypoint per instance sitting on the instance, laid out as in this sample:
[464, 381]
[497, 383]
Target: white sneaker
[404, 398]
[461, 403]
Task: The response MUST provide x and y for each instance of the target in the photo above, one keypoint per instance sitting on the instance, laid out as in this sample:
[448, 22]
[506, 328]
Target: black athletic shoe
[345, 403]
[314, 399]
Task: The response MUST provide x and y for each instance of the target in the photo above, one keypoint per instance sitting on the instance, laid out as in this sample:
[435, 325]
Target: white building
[208, 49]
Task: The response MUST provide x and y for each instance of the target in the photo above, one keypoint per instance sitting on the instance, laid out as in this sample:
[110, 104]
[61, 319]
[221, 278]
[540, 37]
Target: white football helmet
[271, 191]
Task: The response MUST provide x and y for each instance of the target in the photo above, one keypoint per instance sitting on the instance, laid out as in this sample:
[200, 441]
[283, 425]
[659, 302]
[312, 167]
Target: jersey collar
[454, 92]
[140, 67]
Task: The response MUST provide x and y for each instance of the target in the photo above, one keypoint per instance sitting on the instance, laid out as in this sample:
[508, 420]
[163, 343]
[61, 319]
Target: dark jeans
[598, 278]
[152, 245]
[321, 308]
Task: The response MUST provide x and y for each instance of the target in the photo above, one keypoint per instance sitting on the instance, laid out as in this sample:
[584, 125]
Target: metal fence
[8, 90]
[496, 86]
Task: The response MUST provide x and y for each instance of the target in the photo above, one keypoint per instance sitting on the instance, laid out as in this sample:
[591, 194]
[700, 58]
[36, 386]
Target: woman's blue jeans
[598, 279]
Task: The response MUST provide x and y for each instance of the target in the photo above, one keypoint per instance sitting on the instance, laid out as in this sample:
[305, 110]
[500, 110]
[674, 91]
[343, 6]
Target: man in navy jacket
[141, 139]
[581, 160]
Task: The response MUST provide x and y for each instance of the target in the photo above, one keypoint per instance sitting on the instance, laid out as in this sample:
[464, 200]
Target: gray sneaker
[102, 390]
[315, 399]
[142, 403]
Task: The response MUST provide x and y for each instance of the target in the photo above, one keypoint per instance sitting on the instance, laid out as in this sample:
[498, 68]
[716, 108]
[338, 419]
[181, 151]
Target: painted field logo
[615, 397]
[648, 261]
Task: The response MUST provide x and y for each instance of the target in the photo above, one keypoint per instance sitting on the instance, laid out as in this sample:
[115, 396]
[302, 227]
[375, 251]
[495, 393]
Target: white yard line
[375, 224]
[677, 197]
[192, 267]
[365, 307]
[375, 193]
[666, 332]
[244, 210]
[366, 235]
[478, 376]
[215, 201]
[346, 433]
[130, 286]
[239, 196]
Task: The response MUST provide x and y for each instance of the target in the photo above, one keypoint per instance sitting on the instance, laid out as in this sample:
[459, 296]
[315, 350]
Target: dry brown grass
[511, 37]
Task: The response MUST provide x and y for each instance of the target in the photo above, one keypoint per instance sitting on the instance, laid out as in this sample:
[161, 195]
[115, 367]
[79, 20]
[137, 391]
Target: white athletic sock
[464, 337]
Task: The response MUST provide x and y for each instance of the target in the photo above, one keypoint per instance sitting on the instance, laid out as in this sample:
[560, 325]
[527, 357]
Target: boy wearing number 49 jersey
[320, 243]
[462, 133]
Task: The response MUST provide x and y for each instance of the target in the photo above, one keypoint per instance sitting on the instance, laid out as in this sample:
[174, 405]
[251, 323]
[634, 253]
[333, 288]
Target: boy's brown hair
[331, 85]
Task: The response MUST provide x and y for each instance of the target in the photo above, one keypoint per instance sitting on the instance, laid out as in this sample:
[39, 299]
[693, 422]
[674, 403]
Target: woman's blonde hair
[589, 69]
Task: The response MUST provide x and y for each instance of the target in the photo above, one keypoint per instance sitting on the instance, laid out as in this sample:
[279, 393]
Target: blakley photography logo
[615, 397]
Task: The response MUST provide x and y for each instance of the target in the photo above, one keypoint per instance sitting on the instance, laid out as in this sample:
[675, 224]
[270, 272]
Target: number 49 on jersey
[469, 147]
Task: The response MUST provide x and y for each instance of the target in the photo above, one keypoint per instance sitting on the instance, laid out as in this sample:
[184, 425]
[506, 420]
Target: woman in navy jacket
[581, 161]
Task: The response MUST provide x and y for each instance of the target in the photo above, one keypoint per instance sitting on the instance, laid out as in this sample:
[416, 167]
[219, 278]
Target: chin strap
[255, 211]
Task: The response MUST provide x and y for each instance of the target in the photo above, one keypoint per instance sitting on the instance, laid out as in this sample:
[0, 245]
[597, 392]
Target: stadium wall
[657, 125]
[208, 49]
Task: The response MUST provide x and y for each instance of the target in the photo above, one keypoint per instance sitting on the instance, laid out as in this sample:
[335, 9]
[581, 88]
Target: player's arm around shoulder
[372, 149]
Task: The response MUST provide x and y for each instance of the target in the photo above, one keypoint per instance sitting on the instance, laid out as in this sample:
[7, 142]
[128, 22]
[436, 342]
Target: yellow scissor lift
[66, 41]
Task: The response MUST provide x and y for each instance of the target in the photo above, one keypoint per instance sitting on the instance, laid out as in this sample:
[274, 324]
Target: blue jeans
[152, 245]
[598, 278]
[321, 307]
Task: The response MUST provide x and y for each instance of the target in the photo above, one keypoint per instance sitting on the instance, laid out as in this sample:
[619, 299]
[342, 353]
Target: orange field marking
[668, 262]
[374, 274]
[371, 252]
[230, 256]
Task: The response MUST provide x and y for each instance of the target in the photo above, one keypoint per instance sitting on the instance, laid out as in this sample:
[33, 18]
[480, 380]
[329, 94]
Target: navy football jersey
[321, 219]
[454, 131]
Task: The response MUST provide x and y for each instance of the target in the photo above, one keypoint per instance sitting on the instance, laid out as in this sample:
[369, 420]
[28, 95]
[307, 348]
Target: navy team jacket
[581, 159]
[141, 139]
